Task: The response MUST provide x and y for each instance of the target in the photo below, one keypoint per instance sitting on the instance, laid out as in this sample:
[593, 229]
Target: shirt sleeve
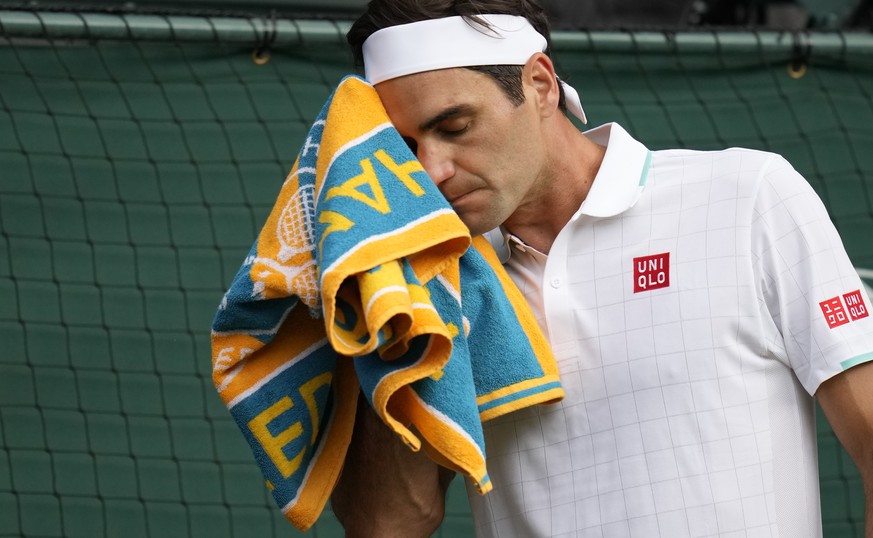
[813, 294]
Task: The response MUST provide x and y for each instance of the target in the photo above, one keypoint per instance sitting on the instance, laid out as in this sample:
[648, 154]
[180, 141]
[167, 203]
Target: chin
[477, 226]
[478, 229]
[470, 226]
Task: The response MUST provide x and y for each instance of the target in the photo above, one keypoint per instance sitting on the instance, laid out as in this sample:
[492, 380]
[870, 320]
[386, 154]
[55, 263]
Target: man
[696, 302]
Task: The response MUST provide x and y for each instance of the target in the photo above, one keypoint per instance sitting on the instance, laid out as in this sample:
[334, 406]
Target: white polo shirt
[695, 302]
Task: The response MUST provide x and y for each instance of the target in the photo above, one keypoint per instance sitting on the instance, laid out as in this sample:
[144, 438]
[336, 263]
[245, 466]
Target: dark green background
[135, 173]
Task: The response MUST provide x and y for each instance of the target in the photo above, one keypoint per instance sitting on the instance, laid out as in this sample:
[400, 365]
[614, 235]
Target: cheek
[519, 140]
[518, 160]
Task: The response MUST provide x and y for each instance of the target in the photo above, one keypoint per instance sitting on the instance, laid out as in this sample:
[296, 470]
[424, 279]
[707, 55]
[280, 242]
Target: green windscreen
[139, 156]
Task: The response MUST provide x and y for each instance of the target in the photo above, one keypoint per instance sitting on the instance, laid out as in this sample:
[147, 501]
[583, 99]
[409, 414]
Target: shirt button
[556, 282]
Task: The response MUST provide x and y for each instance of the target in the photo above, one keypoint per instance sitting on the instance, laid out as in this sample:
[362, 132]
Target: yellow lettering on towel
[402, 171]
[308, 392]
[366, 177]
[273, 443]
[377, 199]
[335, 223]
[453, 329]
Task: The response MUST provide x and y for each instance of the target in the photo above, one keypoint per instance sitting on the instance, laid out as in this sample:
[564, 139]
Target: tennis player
[698, 302]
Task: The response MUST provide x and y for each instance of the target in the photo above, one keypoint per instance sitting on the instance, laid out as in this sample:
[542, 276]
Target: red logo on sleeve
[834, 312]
[855, 305]
[651, 272]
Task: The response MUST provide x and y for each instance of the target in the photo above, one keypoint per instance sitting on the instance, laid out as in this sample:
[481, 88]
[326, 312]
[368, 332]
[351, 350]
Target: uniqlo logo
[651, 272]
[834, 312]
[855, 305]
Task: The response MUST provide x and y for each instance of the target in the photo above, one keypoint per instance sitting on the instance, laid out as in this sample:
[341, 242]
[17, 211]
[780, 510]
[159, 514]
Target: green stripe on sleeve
[855, 361]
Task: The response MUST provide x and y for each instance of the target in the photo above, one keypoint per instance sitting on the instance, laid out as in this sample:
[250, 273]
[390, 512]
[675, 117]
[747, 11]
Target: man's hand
[386, 490]
[847, 401]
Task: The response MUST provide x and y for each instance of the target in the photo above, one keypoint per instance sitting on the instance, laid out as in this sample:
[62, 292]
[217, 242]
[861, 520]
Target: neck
[574, 162]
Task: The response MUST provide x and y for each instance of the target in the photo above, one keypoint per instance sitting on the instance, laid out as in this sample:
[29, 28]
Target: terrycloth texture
[362, 279]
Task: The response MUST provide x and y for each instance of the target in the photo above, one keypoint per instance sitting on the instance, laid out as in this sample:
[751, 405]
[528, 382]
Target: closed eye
[454, 132]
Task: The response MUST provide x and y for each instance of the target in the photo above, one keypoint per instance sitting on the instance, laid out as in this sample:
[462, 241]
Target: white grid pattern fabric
[688, 408]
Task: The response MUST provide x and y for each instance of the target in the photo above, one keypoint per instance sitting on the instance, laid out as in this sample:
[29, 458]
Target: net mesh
[139, 156]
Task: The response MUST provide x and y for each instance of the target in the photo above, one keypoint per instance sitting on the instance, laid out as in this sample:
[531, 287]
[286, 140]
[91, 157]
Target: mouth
[454, 199]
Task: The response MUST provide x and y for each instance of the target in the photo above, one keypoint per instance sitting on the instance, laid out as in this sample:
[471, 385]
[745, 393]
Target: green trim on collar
[645, 175]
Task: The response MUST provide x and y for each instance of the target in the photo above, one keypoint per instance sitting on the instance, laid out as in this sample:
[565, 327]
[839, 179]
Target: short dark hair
[386, 13]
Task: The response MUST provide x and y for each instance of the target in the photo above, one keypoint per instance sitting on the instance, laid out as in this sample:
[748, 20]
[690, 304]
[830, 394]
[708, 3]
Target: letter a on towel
[364, 279]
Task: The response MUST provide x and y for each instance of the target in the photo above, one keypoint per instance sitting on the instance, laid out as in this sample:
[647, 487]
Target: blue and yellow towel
[362, 279]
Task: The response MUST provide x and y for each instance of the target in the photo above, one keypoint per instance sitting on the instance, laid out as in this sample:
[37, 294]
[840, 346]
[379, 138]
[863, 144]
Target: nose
[436, 162]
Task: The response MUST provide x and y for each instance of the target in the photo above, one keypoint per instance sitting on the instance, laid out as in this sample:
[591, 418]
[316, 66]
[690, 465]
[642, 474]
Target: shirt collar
[622, 175]
[616, 188]
[499, 239]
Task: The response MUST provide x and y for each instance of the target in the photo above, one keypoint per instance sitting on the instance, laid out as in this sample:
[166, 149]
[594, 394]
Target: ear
[539, 78]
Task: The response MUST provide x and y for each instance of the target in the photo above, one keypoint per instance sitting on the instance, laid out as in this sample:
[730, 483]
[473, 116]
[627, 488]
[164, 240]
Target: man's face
[483, 152]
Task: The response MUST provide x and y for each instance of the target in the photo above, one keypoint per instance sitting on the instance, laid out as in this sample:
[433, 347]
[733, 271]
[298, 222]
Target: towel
[364, 279]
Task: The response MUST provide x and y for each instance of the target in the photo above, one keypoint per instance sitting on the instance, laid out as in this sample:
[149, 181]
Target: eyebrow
[448, 113]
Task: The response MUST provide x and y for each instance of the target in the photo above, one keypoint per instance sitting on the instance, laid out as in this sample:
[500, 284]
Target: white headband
[432, 44]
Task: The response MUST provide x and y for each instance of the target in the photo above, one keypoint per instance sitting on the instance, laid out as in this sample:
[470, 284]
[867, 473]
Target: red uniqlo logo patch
[855, 305]
[651, 272]
[834, 312]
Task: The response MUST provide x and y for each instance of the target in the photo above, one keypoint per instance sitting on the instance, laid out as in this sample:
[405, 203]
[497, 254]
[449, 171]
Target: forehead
[412, 99]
